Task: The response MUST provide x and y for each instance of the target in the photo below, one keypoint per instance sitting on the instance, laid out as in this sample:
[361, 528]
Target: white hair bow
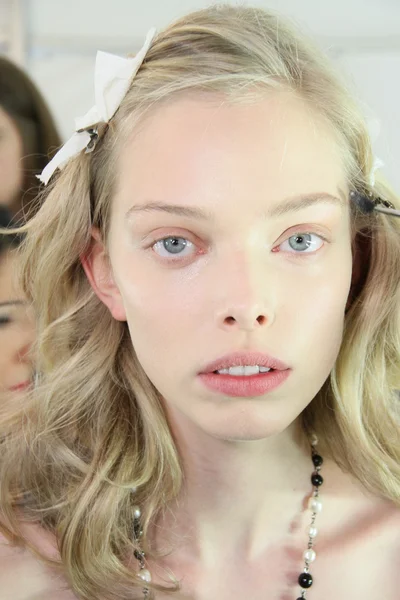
[113, 76]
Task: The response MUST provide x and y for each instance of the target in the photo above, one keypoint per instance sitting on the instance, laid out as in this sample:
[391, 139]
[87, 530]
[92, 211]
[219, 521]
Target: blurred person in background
[28, 137]
[16, 321]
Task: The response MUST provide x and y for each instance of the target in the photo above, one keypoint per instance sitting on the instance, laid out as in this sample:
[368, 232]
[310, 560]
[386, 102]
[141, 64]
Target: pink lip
[20, 386]
[245, 358]
[246, 386]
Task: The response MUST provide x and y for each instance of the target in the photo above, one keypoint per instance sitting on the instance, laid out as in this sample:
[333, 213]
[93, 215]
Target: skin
[234, 161]
[270, 300]
[11, 150]
[16, 332]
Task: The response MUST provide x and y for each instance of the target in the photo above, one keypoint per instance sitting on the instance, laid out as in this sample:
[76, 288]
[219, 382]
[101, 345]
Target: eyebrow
[12, 303]
[292, 204]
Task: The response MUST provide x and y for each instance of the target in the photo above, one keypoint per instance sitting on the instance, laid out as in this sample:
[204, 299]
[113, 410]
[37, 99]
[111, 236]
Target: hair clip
[367, 204]
[94, 138]
[112, 79]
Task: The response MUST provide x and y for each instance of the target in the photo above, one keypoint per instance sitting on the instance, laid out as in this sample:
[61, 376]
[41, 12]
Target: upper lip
[245, 358]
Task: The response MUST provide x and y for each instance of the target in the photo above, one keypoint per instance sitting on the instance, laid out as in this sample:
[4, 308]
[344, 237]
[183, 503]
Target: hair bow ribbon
[113, 76]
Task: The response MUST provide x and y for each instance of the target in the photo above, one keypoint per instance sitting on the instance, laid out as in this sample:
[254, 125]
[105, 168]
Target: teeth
[247, 370]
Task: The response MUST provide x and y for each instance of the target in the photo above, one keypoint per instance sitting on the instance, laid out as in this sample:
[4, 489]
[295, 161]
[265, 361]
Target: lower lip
[246, 385]
[20, 387]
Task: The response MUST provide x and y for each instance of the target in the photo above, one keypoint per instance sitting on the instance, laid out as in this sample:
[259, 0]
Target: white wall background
[362, 36]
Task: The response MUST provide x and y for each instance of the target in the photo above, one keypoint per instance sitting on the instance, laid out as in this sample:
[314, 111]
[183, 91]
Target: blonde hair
[94, 427]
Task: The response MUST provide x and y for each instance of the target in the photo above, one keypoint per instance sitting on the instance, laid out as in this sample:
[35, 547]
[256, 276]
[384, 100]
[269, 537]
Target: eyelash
[296, 255]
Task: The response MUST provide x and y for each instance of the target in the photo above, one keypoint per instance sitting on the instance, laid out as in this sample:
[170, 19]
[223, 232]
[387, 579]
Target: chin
[244, 437]
[247, 427]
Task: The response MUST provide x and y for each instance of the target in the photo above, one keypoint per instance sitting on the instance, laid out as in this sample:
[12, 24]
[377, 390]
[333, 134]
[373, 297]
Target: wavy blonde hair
[94, 426]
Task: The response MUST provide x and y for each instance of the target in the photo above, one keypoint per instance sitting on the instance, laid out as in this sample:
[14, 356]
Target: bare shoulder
[25, 577]
[365, 551]
[385, 551]
[393, 528]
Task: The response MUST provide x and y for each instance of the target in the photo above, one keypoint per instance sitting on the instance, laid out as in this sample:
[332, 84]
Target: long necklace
[305, 579]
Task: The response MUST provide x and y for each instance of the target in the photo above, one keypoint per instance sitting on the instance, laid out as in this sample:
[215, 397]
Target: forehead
[273, 147]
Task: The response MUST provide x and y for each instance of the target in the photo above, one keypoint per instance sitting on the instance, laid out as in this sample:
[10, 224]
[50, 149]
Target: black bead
[137, 529]
[317, 460]
[317, 479]
[305, 580]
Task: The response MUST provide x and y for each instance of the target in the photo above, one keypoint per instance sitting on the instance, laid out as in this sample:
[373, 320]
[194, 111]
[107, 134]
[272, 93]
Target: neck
[236, 494]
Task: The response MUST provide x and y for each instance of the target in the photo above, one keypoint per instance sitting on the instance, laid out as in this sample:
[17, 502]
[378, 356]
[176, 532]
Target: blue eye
[303, 243]
[297, 244]
[172, 246]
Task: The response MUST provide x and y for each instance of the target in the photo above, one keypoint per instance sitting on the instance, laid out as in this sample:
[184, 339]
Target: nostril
[230, 320]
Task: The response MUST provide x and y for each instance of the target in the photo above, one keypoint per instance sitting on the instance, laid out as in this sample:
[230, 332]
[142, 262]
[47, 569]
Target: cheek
[163, 316]
[321, 301]
[325, 315]
[158, 305]
[8, 344]
[316, 312]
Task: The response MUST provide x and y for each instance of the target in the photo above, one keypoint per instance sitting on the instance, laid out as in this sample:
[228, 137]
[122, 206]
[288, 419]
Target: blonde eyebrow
[174, 209]
[292, 204]
[12, 303]
[298, 203]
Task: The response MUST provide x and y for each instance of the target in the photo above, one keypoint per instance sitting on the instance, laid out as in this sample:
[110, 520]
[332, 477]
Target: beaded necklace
[305, 579]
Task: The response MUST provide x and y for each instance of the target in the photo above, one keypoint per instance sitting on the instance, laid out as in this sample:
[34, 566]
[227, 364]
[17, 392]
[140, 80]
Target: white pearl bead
[145, 575]
[312, 532]
[137, 512]
[134, 490]
[314, 440]
[309, 555]
[314, 504]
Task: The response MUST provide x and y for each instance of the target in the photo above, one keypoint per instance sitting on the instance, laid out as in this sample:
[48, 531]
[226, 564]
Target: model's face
[16, 332]
[243, 279]
[10, 160]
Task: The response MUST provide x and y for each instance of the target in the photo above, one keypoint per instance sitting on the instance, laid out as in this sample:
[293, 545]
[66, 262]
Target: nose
[243, 320]
[248, 297]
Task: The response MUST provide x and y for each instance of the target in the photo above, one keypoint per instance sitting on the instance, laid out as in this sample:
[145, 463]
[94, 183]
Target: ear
[97, 266]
